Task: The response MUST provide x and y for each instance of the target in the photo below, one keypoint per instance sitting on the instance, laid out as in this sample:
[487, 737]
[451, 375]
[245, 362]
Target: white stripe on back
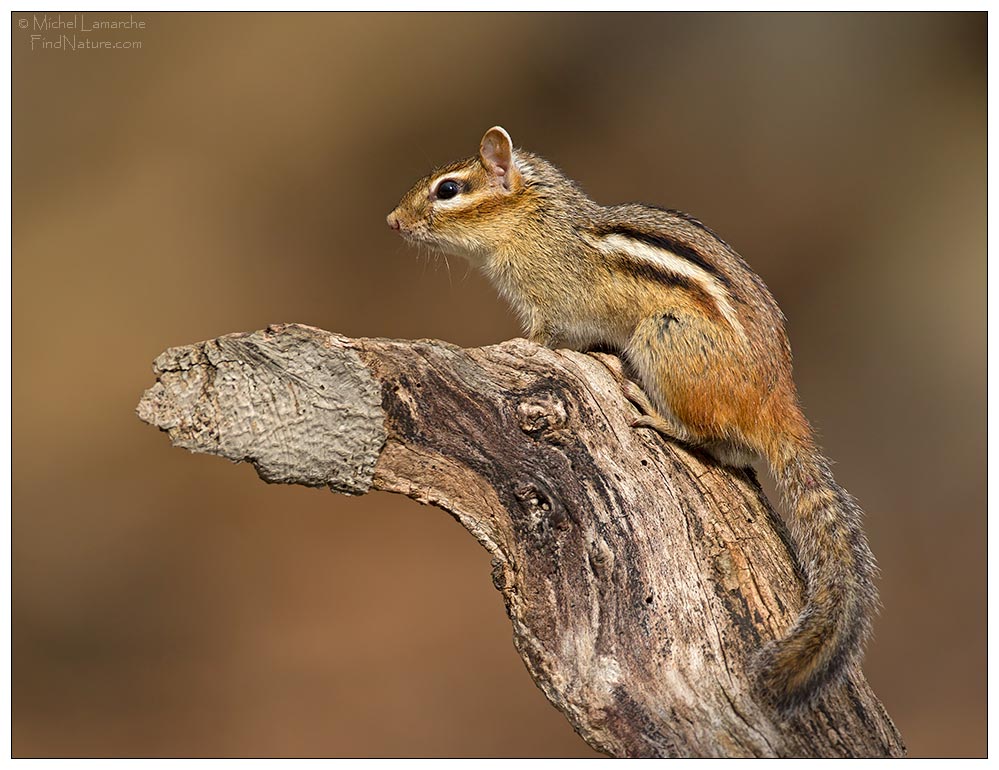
[664, 259]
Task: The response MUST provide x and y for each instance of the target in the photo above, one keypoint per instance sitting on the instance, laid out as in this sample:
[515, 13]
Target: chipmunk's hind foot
[651, 417]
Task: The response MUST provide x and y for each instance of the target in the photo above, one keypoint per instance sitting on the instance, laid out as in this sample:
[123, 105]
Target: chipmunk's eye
[447, 189]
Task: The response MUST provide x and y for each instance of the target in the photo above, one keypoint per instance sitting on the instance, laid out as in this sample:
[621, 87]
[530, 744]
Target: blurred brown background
[236, 170]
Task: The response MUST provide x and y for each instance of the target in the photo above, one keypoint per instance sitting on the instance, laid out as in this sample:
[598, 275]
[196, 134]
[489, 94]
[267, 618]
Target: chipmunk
[705, 339]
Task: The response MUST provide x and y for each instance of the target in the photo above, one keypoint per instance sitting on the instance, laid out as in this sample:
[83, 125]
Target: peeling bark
[640, 578]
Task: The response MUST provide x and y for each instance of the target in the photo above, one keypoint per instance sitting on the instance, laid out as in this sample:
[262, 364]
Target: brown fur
[720, 381]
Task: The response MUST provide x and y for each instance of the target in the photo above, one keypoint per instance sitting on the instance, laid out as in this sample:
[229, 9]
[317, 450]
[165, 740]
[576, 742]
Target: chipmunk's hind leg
[651, 417]
[723, 452]
[687, 388]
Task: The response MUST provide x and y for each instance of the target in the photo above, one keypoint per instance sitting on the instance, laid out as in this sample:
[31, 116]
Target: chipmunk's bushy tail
[841, 598]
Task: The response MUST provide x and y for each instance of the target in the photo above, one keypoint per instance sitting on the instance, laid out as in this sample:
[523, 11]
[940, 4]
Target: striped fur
[669, 246]
[678, 260]
[841, 598]
[701, 333]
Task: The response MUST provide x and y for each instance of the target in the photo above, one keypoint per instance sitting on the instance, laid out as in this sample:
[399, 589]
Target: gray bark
[640, 578]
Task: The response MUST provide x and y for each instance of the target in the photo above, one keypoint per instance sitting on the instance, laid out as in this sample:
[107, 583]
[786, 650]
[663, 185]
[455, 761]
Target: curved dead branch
[640, 579]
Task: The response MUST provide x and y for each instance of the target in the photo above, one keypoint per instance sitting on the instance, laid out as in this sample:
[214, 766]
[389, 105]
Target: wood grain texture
[640, 578]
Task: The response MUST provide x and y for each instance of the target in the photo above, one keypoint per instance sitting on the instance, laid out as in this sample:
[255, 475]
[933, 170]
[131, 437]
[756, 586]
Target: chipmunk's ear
[496, 154]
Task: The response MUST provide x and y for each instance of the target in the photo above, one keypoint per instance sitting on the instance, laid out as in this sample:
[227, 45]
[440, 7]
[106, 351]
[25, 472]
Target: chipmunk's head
[469, 207]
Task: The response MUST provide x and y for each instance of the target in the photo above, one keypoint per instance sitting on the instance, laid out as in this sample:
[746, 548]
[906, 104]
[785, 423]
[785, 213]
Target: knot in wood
[543, 516]
[601, 558]
[542, 413]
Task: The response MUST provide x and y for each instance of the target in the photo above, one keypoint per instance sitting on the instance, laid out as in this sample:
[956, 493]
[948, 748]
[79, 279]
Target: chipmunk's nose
[393, 221]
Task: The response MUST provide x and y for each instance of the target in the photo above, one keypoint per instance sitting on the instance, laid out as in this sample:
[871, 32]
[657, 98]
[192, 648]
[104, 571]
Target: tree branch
[640, 578]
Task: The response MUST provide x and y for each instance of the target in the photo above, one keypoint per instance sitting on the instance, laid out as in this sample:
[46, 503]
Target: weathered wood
[640, 579]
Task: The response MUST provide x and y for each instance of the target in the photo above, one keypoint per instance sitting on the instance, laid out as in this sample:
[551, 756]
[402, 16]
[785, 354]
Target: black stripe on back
[658, 274]
[660, 241]
[661, 275]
